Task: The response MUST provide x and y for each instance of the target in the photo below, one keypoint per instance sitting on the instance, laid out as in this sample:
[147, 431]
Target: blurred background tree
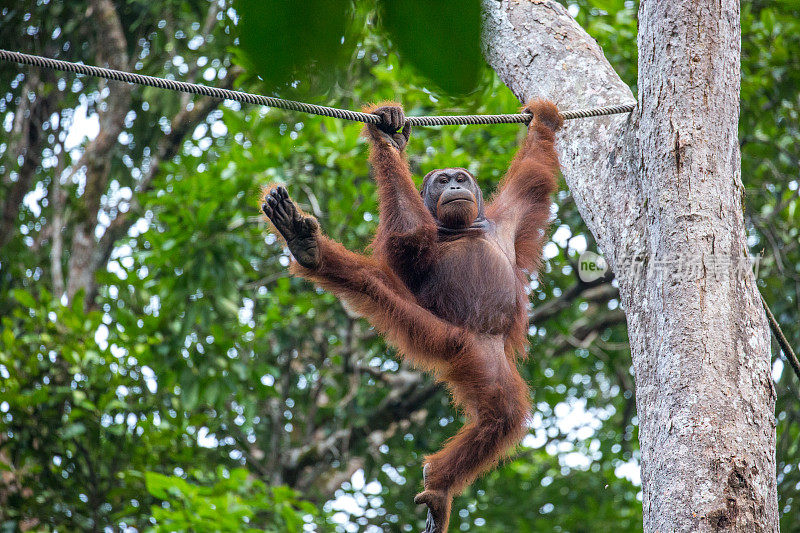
[160, 371]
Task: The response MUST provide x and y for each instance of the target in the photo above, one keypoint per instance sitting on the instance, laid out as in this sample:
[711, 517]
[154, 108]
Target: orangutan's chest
[473, 283]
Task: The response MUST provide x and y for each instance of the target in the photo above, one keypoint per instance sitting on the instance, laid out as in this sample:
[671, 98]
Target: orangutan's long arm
[521, 207]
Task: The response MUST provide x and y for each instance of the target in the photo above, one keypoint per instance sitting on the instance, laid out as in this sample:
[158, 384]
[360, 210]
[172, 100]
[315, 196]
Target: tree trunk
[661, 192]
[96, 158]
[28, 140]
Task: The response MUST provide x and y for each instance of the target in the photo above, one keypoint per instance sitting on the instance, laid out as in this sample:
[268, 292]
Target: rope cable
[269, 101]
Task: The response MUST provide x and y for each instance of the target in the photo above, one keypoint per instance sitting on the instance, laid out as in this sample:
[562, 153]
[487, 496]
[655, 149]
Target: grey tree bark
[661, 192]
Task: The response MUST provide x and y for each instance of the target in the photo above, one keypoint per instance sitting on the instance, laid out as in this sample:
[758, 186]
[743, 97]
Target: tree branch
[538, 50]
[584, 331]
[205, 31]
[400, 404]
[553, 307]
[28, 132]
[58, 199]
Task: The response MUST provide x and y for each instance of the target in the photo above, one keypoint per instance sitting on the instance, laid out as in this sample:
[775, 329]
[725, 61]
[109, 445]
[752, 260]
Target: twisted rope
[269, 101]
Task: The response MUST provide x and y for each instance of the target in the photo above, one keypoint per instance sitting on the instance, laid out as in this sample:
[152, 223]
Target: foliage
[442, 39]
[307, 45]
[227, 505]
[203, 385]
[285, 41]
[769, 128]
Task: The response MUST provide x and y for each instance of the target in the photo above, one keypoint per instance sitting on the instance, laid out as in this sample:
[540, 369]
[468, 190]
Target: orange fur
[455, 305]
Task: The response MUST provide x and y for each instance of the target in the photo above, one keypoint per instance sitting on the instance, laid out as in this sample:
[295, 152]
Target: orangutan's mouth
[457, 200]
[456, 196]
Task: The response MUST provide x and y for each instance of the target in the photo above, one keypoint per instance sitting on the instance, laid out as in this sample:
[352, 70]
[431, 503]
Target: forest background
[170, 375]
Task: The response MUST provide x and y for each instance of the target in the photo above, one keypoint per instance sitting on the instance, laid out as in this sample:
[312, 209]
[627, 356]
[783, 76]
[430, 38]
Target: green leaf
[24, 298]
[8, 337]
[446, 52]
[273, 45]
[157, 484]
[73, 430]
